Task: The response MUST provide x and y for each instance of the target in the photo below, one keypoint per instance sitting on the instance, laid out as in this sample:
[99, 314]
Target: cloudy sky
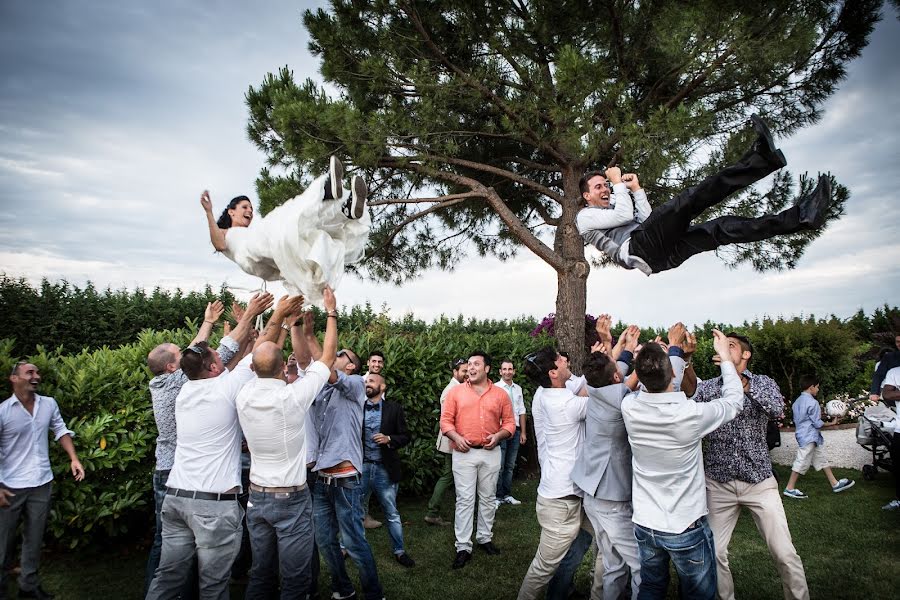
[114, 116]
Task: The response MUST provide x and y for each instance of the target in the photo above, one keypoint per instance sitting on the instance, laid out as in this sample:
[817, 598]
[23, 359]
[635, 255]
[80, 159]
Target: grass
[849, 546]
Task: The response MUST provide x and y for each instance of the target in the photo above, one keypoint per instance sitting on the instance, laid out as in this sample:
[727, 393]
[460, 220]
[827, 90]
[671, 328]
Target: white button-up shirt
[208, 454]
[273, 418]
[559, 428]
[666, 432]
[515, 394]
[24, 451]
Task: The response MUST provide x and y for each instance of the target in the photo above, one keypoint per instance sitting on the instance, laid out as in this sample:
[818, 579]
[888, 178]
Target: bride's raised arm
[216, 235]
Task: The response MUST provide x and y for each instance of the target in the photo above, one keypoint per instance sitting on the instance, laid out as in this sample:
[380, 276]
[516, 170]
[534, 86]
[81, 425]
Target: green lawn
[849, 546]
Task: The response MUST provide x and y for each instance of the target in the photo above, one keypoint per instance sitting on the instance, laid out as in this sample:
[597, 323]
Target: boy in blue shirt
[808, 422]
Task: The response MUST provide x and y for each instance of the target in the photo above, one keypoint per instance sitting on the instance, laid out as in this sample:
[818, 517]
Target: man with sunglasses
[459, 369]
[337, 414]
[201, 513]
[168, 379]
[738, 471]
[619, 222]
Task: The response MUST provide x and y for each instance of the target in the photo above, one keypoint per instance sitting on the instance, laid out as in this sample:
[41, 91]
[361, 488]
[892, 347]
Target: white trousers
[475, 471]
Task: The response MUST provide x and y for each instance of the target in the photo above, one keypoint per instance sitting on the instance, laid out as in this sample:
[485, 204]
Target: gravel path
[840, 448]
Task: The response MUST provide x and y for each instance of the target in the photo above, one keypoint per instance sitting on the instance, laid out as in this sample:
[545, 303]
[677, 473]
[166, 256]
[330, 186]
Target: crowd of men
[266, 464]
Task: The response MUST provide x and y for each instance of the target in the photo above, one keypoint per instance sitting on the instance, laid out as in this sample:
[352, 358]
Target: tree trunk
[571, 297]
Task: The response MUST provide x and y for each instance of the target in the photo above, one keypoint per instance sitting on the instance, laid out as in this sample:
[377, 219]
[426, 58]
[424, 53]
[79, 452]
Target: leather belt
[277, 490]
[200, 495]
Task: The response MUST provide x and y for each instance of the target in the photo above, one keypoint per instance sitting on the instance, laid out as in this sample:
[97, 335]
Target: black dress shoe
[814, 206]
[405, 560]
[489, 548]
[462, 557]
[37, 592]
[765, 144]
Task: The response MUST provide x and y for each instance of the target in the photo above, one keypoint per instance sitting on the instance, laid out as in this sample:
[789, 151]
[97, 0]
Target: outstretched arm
[216, 235]
[258, 304]
[329, 346]
[272, 332]
[212, 314]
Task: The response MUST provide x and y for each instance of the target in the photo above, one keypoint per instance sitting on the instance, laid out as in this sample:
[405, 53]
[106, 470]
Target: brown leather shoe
[370, 523]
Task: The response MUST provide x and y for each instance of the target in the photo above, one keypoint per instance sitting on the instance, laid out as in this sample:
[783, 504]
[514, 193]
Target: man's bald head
[268, 361]
[163, 358]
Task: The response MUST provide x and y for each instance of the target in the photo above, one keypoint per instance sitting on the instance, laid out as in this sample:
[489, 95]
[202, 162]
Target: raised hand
[259, 303]
[614, 175]
[677, 334]
[329, 299]
[632, 334]
[288, 305]
[659, 341]
[631, 181]
[690, 344]
[309, 323]
[721, 346]
[603, 324]
[237, 310]
[205, 202]
[214, 311]
[598, 347]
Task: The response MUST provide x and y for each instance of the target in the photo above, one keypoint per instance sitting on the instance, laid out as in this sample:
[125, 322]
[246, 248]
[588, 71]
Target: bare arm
[216, 235]
[890, 393]
[329, 349]
[312, 343]
[258, 304]
[286, 305]
[77, 470]
[212, 314]
[298, 340]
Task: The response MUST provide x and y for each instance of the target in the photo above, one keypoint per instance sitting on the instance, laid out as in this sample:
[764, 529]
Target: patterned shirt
[738, 449]
[163, 391]
[371, 426]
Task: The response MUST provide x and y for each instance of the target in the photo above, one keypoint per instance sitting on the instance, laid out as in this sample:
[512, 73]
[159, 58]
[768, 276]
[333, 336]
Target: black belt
[337, 481]
[200, 495]
[473, 447]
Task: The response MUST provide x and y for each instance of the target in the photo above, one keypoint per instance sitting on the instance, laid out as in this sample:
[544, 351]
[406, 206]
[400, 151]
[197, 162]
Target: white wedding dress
[306, 242]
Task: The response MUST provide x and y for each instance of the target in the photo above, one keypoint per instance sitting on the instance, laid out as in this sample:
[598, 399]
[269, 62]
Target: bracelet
[285, 327]
[332, 316]
[210, 322]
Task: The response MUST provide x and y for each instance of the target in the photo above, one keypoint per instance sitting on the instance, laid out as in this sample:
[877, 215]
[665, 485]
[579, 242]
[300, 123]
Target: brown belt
[277, 490]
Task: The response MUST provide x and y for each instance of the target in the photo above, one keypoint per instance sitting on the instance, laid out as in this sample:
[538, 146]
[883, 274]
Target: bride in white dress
[306, 242]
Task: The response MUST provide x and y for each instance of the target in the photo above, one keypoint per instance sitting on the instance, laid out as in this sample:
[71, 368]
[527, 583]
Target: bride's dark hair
[224, 221]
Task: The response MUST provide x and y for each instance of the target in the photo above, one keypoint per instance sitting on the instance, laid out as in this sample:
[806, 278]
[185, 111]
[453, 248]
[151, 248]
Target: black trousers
[667, 238]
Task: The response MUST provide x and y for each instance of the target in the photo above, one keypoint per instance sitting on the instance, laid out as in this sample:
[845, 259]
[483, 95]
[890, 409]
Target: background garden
[91, 346]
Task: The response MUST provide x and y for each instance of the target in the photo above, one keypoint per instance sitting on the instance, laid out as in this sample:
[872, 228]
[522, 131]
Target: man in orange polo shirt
[476, 416]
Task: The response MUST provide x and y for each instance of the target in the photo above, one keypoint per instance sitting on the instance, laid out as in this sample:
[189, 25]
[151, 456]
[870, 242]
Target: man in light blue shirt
[25, 420]
[810, 451]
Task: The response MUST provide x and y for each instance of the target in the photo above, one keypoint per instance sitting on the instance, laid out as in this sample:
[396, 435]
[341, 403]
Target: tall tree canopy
[474, 120]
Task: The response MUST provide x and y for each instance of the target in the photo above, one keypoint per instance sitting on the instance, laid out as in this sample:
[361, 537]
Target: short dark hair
[18, 365]
[376, 353]
[539, 364]
[224, 221]
[583, 182]
[507, 360]
[484, 355]
[746, 346]
[599, 370]
[653, 367]
[196, 359]
[808, 380]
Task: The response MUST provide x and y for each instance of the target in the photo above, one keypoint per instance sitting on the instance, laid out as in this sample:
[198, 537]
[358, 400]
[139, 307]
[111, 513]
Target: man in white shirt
[559, 428]
[509, 448]
[25, 475]
[890, 393]
[665, 431]
[460, 368]
[201, 513]
[273, 416]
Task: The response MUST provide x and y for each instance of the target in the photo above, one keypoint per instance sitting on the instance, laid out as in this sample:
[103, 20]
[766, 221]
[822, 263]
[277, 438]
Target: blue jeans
[338, 508]
[375, 479]
[281, 539]
[693, 554]
[509, 451]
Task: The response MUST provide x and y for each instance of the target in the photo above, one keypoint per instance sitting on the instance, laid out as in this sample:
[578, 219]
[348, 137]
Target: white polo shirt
[273, 416]
[24, 452]
[559, 428]
[665, 431]
[208, 454]
[515, 395]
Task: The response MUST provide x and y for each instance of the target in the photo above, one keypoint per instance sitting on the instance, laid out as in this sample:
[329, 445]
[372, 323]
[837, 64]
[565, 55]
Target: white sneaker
[511, 500]
[892, 505]
[335, 177]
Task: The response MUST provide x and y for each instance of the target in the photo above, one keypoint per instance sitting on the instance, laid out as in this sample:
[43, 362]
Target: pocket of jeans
[694, 558]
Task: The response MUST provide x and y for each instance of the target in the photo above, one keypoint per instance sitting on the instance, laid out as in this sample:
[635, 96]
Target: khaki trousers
[764, 502]
[475, 473]
[560, 520]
